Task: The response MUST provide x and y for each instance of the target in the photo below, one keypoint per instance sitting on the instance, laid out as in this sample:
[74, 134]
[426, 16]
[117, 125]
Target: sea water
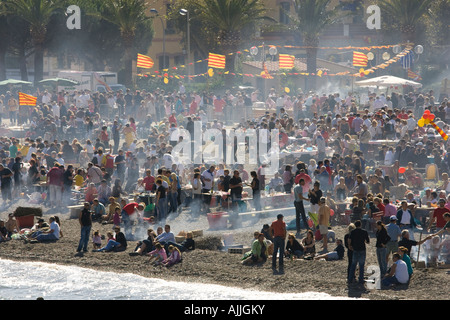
[30, 280]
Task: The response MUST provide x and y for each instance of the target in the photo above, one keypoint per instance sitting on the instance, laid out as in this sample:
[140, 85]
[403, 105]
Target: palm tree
[128, 16]
[311, 18]
[406, 15]
[37, 13]
[231, 20]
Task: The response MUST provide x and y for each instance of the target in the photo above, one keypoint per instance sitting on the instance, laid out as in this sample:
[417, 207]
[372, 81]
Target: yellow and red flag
[26, 99]
[265, 74]
[286, 61]
[144, 61]
[413, 75]
[359, 59]
[216, 61]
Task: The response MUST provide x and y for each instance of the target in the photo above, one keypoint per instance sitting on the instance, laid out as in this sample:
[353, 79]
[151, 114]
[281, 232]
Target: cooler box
[25, 221]
[217, 220]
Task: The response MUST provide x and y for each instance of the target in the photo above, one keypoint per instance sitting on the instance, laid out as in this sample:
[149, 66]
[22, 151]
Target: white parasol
[387, 81]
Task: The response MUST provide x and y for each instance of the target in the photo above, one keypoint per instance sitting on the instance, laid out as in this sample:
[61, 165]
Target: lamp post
[185, 12]
[153, 10]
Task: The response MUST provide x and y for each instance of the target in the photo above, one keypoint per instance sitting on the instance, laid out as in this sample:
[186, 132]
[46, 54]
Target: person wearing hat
[394, 232]
[278, 233]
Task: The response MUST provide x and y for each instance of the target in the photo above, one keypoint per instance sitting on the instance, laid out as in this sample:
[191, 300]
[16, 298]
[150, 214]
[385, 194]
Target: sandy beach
[209, 263]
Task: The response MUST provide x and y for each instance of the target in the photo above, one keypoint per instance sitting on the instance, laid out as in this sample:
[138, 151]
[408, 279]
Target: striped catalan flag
[286, 61]
[413, 75]
[144, 61]
[216, 61]
[26, 99]
[359, 59]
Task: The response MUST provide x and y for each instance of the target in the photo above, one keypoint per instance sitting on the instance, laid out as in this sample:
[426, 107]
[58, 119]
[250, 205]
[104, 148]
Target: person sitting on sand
[309, 244]
[294, 249]
[146, 245]
[51, 234]
[158, 255]
[185, 245]
[117, 243]
[259, 252]
[337, 254]
[96, 240]
[11, 225]
[166, 236]
[398, 273]
[173, 258]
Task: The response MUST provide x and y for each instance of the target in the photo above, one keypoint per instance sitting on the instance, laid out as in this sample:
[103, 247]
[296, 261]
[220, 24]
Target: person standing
[382, 240]
[314, 197]
[405, 219]
[357, 243]
[85, 220]
[438, 216]
[278, 233]
[55, 184]
[324, 221]
[299, 207]
[161, 202]
[256, 191]
[394, 233]
[6, 182]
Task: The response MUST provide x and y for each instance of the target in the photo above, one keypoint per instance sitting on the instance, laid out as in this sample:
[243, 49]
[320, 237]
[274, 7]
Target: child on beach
[158, 255]
[97, 240]
[174, 256]
[116, 217]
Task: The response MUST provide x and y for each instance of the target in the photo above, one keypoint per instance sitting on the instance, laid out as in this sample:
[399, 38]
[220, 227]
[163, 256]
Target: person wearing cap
[278, 233]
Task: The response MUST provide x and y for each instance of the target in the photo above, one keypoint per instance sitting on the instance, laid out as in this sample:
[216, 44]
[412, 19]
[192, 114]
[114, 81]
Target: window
[179, 60]
[163, 65]
[285, 8]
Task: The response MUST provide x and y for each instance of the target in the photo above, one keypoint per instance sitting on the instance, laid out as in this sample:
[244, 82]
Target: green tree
[232, 21]
[219, 26]
[310, 19]
[405, 15]
[129, 16]
[37, 13]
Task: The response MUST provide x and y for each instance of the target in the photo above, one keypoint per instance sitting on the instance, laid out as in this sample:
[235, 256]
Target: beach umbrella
[14, 81]
[59, 82]
[388, 81]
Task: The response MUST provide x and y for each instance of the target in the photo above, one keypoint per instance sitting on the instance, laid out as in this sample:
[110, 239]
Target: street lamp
[185, 12]
[153, 10]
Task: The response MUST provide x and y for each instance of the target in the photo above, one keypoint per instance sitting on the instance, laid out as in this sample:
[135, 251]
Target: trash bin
[217, 220]
[25, 221]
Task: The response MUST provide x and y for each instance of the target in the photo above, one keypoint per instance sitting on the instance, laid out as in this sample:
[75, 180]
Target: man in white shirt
[168, 159]
[398, 273]
[46, 98]
[208, 178]
[52, 234]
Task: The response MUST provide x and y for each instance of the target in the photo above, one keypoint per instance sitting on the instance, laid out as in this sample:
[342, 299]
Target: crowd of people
[101, 149]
